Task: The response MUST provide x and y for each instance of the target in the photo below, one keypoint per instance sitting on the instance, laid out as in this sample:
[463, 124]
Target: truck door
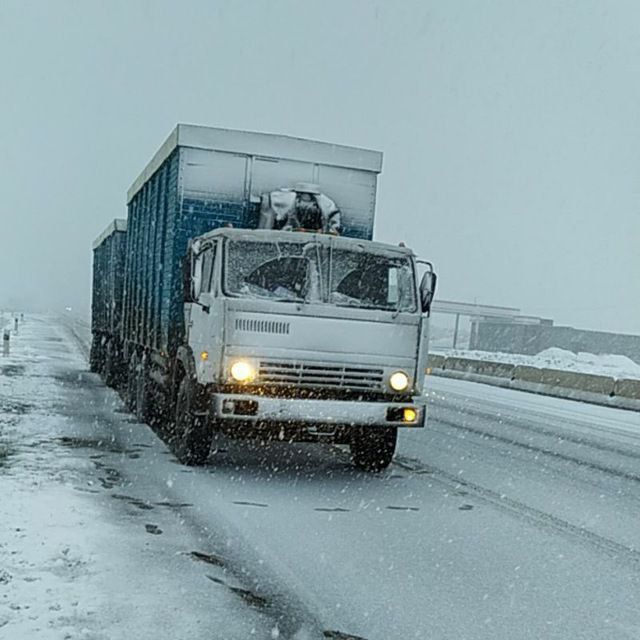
[205, 322]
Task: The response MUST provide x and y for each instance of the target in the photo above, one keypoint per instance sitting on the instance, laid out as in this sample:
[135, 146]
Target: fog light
[409, 414]
[242, 371]
[399, 381]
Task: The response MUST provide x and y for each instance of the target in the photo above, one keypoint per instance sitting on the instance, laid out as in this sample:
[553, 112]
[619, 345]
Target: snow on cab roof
[264, 145]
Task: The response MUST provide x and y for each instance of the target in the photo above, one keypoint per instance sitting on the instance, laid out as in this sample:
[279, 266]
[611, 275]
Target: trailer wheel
[193, 433]
[372, 448]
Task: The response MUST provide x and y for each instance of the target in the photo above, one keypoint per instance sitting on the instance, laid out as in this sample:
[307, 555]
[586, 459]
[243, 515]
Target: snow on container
[203, 178]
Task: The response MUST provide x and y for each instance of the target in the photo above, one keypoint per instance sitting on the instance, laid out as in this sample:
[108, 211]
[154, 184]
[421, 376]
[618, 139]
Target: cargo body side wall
[148, 278]
[106, 299]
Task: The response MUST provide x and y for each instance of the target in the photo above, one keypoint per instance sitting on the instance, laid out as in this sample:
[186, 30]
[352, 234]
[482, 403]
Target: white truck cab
[302, 337]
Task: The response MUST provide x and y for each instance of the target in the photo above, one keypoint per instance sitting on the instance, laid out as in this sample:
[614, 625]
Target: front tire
[193, 433]
[372, 448]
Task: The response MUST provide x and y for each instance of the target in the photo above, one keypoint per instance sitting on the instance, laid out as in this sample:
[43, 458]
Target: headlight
[242, 371]
[399, 381]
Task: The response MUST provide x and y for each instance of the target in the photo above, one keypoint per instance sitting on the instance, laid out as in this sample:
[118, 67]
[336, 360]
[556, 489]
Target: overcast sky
[511, 131]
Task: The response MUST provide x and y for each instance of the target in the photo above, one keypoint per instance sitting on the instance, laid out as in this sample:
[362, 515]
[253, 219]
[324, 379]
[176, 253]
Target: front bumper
[263, 409]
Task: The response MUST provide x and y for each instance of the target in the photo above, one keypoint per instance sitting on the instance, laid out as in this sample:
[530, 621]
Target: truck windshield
[283, 271]
[372, 280]
[312, 272]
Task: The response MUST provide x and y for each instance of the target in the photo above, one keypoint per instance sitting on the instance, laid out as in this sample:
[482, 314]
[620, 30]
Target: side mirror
[427, 290]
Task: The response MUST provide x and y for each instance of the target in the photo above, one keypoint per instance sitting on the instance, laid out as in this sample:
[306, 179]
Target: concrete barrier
[627, 389]
[460, 364]
[586, 387]
[527, 374]
[435, 361]
[589, 382]
[495, 369]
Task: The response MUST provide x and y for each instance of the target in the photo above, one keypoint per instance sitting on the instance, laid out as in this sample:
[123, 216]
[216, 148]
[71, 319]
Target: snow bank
[615, 366]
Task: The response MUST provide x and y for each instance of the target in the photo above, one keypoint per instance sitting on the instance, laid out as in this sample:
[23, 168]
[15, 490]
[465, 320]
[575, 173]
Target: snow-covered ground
[78, 557]
[616, 366]
[510, 516]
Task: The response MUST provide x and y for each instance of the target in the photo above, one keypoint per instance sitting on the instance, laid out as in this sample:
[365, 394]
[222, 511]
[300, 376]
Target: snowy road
[511, 516]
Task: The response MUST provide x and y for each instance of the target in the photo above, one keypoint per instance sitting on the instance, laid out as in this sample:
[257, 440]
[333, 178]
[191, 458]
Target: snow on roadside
[616, 366]
[75, 563]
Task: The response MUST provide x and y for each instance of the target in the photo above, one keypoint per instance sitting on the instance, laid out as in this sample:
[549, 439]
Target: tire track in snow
[521, 510]
[620, 473]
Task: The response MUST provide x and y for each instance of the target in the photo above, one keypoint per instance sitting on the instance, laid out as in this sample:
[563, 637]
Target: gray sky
[510, 130]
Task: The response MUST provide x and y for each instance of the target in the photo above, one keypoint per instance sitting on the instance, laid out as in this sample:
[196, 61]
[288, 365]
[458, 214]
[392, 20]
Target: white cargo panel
[224, 166]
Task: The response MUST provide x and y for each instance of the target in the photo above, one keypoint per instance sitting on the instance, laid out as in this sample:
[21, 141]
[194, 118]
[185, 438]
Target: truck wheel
[193, 433]
[372, 448]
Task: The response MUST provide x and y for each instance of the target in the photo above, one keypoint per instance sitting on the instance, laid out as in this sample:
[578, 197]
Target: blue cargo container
[203, 178]
[106, 301]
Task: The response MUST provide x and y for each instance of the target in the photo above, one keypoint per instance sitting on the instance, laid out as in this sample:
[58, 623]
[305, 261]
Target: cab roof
[269, 235]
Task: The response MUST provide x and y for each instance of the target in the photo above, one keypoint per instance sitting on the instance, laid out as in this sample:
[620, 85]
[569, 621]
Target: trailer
[106, 301]
[227, 326]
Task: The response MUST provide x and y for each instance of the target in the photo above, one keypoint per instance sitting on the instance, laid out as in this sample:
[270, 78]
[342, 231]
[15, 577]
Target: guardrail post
[5, 342]
[16, 324]
[455, 330]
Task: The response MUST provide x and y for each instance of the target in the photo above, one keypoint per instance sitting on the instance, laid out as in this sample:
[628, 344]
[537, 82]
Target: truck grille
[319, 375]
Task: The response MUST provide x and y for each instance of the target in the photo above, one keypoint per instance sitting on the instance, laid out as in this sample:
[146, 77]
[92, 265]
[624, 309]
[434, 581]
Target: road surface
[510, 516]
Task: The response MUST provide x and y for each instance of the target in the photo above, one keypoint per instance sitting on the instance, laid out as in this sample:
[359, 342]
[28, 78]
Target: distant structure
[530, 339]
[480, 313]
[506, 330]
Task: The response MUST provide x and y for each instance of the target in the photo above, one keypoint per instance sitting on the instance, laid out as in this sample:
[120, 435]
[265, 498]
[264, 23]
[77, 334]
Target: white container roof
[119, 224]
[265, 145]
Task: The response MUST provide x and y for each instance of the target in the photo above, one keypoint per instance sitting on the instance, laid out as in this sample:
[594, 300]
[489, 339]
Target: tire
[372, 448]
[193, 433]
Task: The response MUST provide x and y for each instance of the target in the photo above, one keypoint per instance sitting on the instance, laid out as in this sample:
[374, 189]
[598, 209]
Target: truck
[230, 320]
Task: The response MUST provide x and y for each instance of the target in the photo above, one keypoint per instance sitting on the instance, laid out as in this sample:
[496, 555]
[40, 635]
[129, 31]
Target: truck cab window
[207, 270]
[283, 271]
[372, 281]
[282, 277]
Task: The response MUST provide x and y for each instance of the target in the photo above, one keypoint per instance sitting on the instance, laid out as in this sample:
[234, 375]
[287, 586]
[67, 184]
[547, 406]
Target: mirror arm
[206, 308]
